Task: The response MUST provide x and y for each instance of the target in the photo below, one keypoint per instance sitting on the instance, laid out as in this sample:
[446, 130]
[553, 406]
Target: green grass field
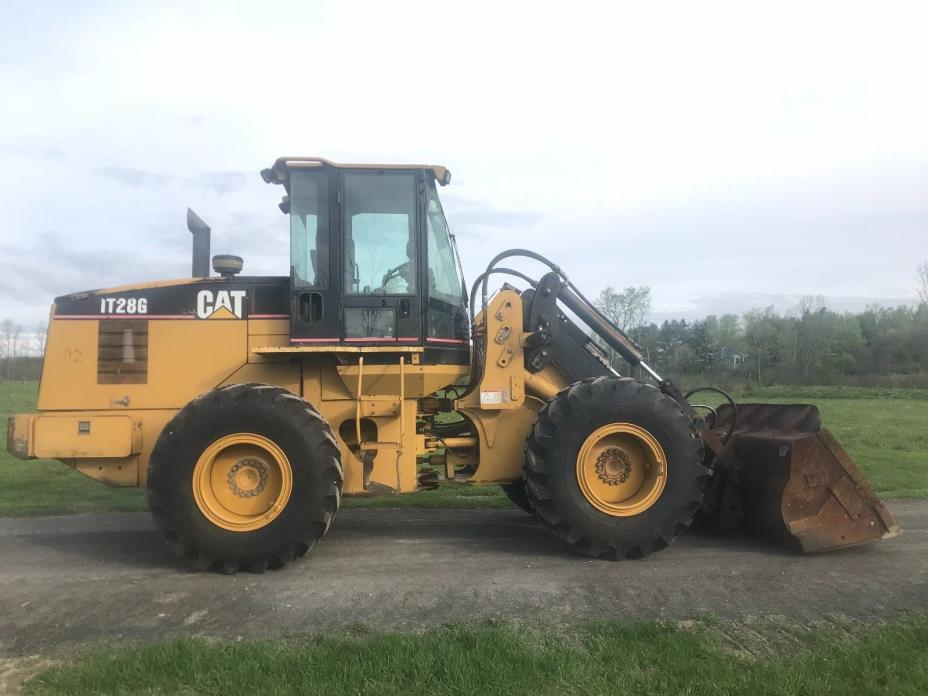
[603, 658]
[886, 431]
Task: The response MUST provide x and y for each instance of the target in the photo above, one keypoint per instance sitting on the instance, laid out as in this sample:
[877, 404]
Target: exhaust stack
[200, 232]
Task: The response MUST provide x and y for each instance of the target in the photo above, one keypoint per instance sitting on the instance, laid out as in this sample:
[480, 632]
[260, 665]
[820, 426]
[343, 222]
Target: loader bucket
[797, 484]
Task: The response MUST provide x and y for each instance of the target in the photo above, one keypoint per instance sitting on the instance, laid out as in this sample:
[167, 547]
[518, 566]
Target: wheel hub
[242, 482]
[247, 477]
[621, 469]
[613, 466]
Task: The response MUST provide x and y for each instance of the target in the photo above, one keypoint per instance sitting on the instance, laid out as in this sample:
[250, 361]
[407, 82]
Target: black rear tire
[550, 468]
[273, 413]
[516, 492]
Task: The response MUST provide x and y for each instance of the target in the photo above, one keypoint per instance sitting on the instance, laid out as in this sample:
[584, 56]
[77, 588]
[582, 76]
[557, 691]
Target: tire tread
[539, 464]
[298, 414]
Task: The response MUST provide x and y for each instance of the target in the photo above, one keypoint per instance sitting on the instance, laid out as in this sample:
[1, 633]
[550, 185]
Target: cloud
[806, 178]
[475, 219]
[507, 219]
[31, 152]
[134, 177]
[64, 265]
[192, 120]
[221, 183]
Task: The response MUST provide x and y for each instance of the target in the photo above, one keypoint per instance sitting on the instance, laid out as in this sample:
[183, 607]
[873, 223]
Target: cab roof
[278, 173]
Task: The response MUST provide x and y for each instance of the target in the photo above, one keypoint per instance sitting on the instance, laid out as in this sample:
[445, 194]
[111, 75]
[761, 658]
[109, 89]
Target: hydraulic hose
[476, 363]
[507, 254]
[488, 273]
[725, 395]
[572, 298]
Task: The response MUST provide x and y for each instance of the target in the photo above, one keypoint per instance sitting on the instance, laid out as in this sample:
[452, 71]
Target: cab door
[381, 273]
[314, 258]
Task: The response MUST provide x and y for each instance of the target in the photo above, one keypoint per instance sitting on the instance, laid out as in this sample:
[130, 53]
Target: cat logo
[221, 304]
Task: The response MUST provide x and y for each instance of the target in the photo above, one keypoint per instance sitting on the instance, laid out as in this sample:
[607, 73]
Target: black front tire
[286, 420]
[550, 468]
[516, 492]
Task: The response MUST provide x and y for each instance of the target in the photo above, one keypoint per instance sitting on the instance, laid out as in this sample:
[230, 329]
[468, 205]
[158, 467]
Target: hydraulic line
[507, 254]
[725, 395]
[476, 363]
[573, 299]
[486, 274]
[482, 281]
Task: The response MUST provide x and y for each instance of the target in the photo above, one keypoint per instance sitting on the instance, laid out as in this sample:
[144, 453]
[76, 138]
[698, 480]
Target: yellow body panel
[502, 385]
[120, 472]
[279, 328]
[502, 439]
[110, 464]
[19, 440]
[267, 334]
[59, 436]
[186, 358]
[333, 388]
[286, 375]
[420, 380]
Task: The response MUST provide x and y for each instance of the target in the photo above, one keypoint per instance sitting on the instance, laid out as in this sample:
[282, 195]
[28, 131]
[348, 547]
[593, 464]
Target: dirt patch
[16, 671]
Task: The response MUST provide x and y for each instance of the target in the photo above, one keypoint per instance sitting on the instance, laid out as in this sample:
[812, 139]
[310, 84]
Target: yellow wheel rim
[242, 482]
[621, 469]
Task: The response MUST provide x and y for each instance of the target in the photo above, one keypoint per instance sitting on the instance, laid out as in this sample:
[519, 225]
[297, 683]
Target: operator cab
[371, 258]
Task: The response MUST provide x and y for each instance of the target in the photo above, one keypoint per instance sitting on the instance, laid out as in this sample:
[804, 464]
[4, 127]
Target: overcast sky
[728, 155]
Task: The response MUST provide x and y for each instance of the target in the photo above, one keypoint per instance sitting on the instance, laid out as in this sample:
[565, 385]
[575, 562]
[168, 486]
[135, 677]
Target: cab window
[380, 233]
[444, 283]
[445, 294]
[309, 229]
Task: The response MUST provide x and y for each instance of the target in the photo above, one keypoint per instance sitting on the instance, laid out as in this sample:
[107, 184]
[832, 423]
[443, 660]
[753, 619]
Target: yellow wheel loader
[249, 405]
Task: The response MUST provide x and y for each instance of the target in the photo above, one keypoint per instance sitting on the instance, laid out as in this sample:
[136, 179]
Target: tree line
[811, 344]
[21, 352]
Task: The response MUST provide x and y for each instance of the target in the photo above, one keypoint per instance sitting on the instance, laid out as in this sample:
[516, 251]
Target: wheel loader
[249, 405]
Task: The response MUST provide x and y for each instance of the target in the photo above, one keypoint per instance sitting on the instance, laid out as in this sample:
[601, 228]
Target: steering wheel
[396, 272]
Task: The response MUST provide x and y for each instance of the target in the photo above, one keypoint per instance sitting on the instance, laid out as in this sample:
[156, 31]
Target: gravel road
[67, 580]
